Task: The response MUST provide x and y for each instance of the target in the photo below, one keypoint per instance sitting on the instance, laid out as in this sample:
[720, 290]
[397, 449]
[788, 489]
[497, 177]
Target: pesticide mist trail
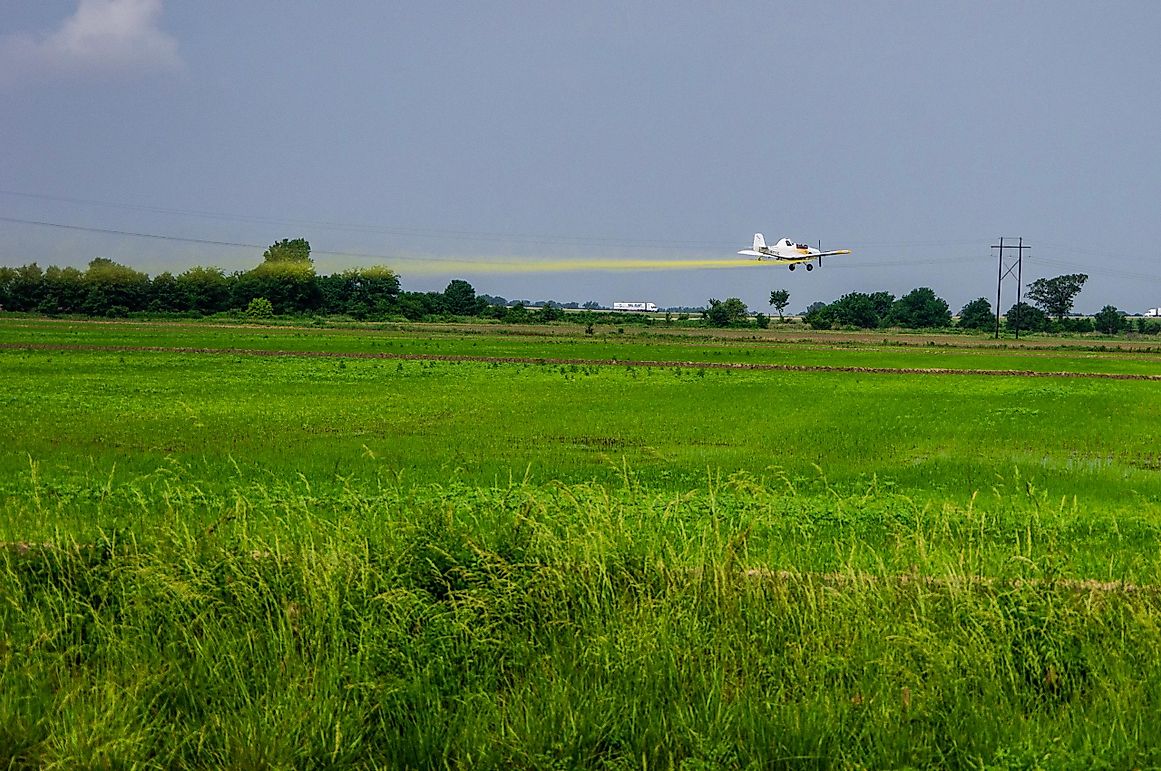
[419, 266]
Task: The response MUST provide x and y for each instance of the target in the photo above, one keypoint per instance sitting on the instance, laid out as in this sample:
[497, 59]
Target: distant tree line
[286, 283]
[921, 308]
[285, 279]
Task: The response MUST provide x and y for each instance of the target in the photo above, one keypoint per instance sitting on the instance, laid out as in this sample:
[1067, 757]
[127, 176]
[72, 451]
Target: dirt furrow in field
[454, 358]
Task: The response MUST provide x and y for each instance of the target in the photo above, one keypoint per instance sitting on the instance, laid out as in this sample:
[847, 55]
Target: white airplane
[788, 252]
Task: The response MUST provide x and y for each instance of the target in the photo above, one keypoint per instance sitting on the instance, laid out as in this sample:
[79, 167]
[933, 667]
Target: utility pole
[1003, 272]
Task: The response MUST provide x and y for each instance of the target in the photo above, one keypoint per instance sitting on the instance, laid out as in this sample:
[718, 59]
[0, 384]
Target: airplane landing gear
[809, 266]
[791, 267]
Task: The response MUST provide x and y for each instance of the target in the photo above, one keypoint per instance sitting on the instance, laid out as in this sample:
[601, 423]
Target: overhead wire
[529, 239]
[518, 265]
[688, 263]
[502, 266]
[521, 238]
[1103, 269]
[442, 264]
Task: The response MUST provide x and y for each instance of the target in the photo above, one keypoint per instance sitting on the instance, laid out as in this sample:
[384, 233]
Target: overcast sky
[422, 135]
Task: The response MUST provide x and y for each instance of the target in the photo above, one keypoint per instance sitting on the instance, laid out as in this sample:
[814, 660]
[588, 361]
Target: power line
[362, 256]
[857, 263]
[1099, 268]
[460, 263]
[529, 239]
[521, 238]
[205, 241]
[367, 256]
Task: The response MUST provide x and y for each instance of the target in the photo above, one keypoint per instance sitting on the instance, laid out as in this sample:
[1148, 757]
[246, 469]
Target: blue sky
[423, 135]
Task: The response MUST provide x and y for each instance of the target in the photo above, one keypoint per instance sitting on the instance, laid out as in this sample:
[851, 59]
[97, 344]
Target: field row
[569, 343]
[228, 417]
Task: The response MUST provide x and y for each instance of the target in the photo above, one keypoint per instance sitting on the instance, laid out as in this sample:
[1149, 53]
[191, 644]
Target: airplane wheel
[810, 267]
[792, 267]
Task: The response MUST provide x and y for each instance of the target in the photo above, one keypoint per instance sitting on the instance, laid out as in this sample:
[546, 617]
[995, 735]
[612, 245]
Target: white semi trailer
[644, 307]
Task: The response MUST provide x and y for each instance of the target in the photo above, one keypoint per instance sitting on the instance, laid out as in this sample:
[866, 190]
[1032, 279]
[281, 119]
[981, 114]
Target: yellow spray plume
[419, 266]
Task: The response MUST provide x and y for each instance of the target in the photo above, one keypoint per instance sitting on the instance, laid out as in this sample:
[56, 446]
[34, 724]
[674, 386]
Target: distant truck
[642, 307]
[1153, 312]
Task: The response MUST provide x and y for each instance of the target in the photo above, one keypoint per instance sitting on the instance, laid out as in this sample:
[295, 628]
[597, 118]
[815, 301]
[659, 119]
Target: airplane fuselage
[788, 252]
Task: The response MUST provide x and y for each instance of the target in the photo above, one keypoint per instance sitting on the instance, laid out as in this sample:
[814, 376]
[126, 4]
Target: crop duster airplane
[789, 253]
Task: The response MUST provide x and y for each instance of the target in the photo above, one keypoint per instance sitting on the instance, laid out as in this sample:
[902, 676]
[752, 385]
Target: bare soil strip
[454, 358]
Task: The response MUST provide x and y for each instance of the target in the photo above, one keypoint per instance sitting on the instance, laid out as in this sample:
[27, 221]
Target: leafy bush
[259, 308]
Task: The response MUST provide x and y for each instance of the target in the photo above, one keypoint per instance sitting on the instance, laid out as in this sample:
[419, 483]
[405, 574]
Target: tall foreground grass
[737, 624]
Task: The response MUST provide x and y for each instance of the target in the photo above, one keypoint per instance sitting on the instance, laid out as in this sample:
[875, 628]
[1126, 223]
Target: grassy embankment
[229, 559]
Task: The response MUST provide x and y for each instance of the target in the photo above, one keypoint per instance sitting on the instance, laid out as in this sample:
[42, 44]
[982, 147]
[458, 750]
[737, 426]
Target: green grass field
[340, 556]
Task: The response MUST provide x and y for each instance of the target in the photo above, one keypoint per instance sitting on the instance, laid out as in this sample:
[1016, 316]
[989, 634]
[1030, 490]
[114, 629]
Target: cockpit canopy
[788, 242]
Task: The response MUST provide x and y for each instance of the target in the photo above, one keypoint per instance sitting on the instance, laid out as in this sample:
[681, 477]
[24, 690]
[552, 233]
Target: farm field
[586, 551]
[797, 347]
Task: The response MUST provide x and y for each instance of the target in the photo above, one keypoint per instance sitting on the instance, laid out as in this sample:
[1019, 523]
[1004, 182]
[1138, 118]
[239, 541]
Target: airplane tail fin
[759, 242]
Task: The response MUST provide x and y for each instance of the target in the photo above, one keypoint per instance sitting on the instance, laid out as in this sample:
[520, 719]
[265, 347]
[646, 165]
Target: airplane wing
[752, 253]
[828, 254]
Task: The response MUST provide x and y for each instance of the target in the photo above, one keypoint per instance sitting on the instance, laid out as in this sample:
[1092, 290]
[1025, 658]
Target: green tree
[24, 288]
[164, 294]
[977, 315]
[882, 302]
[1026, 318]
[1147, 327]
[516, 314]
[1108, 320]
[780, 298]
[460, 299]
[550, 311]
[762, 320]
[855, 309]
[7, 276]
[285, 277]
[1055, 295]
[919, 309]
[113, 289]
[416, 306]
[371, 292]
[63, 290]
[818, 315]
[205, 290]
[294, 251]
[724, 313]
